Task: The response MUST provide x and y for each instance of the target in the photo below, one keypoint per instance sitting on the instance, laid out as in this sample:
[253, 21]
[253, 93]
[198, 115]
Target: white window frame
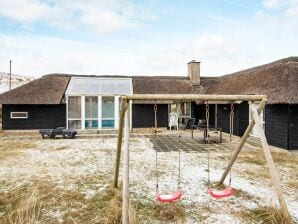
[74, 119]
[98, 112]
[108, 118]
[17, 117]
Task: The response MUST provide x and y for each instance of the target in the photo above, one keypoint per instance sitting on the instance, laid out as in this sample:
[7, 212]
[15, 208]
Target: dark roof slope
[278, 80]
[48, 89]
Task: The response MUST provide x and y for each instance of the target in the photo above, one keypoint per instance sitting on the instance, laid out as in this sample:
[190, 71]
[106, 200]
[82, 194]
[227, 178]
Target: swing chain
[231, 121]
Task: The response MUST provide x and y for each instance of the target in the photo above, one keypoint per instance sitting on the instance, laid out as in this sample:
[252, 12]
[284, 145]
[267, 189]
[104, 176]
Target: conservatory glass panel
[98, 86]
[91, 107]
[108, 111]
[108, 107]
[122, 87]
[108, 123]
[74, 107]
[91, 124]
[74, 124]
[108, 86]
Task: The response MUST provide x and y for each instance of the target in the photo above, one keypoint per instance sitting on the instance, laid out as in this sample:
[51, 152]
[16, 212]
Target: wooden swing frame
[125, 125]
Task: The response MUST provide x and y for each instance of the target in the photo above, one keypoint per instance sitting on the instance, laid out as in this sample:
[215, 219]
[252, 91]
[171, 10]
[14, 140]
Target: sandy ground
[66, 161]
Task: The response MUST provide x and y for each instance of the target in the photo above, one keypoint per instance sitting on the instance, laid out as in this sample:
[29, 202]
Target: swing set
[124, 125]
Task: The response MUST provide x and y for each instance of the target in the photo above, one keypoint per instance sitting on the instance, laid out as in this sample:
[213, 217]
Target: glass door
[108, 112]
[91, 112]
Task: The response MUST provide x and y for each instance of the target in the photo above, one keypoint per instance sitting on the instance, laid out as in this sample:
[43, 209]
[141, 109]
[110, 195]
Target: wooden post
[242, 141]
[125, 193]
[119, 142]
[272, 170]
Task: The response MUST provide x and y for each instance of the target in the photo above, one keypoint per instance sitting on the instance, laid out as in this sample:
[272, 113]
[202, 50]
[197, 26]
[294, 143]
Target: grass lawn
[69, 181]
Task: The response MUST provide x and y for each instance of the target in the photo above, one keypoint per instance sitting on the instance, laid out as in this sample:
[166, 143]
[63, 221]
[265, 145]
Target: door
[108, 112]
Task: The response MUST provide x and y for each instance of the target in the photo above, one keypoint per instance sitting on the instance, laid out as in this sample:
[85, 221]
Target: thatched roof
[162, 85]
[48, 89]
[278, 80]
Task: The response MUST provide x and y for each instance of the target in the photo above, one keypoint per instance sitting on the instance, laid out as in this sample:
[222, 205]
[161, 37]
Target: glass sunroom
[93, 102]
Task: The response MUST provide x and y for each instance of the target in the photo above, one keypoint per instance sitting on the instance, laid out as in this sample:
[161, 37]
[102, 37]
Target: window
[74, 112]
[91, 112]
[18, 115]
[185, 110]
[108, 112]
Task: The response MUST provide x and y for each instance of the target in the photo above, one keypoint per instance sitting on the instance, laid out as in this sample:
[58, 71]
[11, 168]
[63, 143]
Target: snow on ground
[64, 161]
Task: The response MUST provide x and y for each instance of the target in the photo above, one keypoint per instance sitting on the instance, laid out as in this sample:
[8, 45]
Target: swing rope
[208, 142]
[177, 194]
[155, 135]
[231, 134]
[229, 190]
[179, 159]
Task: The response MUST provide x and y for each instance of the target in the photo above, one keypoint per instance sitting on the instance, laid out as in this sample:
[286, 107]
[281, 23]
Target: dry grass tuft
[44, 202]
[165, 212]
[169, 211]
[11, 148]
[28, 211]
[265, 215]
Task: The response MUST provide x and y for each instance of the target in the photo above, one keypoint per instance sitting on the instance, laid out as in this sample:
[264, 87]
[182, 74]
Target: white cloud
[271, 4]
[286, 7]
[101, 16]
[23, 11]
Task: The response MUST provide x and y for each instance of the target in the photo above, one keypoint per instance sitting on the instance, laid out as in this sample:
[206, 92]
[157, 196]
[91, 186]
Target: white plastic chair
[173, 120]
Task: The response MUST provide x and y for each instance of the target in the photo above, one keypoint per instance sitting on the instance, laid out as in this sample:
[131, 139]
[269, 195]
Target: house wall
[39, 117]
[293, 126]
[276, 125]
[241, 117]
[199, 112]
[143, 115]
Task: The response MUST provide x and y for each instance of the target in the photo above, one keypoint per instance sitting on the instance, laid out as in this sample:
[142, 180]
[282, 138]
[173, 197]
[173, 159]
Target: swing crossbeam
[195, 97]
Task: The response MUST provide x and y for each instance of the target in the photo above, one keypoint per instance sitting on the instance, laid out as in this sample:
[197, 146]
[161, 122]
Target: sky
[144, 37]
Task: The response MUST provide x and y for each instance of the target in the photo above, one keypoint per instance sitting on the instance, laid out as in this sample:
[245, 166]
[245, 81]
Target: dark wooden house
[279, 81]
[77, 102]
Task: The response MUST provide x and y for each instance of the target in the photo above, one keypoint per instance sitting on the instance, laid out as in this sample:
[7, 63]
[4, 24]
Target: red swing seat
[169, 197]
[229, 191]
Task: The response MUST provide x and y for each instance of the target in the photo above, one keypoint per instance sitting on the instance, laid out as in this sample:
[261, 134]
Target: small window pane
[74, 107]
[91, 124]
[122, 88]
[185, 109]
[108, 124]
[91, 107]
[108, 87]
[19, 115]
[74, 124]
[173, 108]
[108, 107]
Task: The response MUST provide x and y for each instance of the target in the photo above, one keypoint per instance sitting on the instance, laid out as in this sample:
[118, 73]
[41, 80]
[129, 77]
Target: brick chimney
[194, 72]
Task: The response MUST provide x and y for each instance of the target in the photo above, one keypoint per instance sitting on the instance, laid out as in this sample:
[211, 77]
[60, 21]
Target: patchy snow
[16, 80]
[65, 161]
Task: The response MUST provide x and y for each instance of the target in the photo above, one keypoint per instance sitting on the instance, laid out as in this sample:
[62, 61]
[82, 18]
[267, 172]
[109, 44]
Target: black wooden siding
[199, 112]
[241, 117]
[143, 115]
[293, 127]
[39, 117]
[276, 125]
